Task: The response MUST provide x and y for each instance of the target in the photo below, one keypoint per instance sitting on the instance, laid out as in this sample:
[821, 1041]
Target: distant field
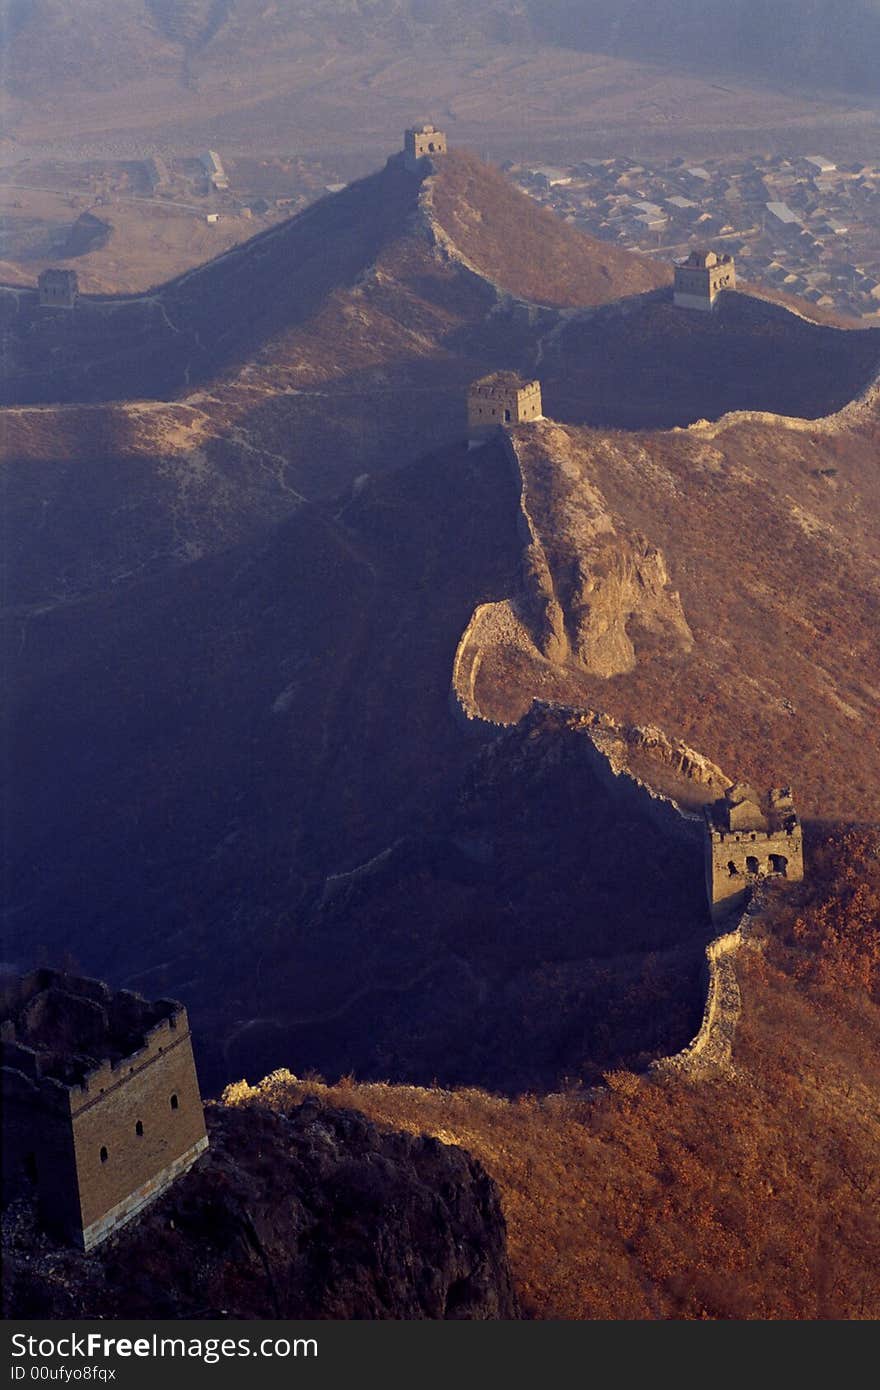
[149, 242]
[346, 110]
[324, 90]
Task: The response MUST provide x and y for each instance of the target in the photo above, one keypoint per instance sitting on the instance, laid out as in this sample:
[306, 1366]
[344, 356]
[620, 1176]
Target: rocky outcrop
[312, 1214]
[612, 586]
[619, 742]
[586, 576]
[588, 583]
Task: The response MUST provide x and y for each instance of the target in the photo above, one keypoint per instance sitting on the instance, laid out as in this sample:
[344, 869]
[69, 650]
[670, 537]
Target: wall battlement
[421, 142]
[749, 839]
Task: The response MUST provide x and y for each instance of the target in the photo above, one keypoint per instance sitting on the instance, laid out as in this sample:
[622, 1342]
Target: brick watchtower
[58, 289]
[421, 141]
[101, 1104]
[503, 398]
[700, 279]
[748, 840]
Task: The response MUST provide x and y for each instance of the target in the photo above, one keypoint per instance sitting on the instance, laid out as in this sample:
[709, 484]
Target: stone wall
[58, 289]
[38, 1150]
[136, 1094]
[97, 1139]
[421, 142]
[697, 287]
[728, 890]
[712, 1047]
[493, 402]
[136, 1201]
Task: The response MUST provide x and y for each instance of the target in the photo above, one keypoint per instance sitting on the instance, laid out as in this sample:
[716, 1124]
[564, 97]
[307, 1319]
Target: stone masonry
[501, 399]
[101, 1101]
[749, 840]
[700, 279]
[421, 141]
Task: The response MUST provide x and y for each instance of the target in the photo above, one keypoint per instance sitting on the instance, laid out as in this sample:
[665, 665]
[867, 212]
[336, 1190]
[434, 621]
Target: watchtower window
[175, 1103]
[507, 416]
[732, 870]
[30, 1167]
[104, 1154]
[779, 864]
[752, 865]
[139, 1129]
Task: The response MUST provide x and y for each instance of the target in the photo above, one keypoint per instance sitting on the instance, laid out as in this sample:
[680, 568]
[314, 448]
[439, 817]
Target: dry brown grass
[747, 1196]
[779, 579]
[498, 230]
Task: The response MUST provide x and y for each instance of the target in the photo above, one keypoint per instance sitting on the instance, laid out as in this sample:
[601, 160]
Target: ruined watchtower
[700, 279]
[419, 142]
[101, 1104]
[58, 288]
[503, 398]
[749, 839]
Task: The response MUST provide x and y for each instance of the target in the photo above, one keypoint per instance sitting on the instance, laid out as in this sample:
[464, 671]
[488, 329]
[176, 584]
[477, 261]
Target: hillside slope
[832, 45]
[286, 1217]
[229, 715]
[260, 752]
[748, 1194]
[342, 343]
[651, 589]
[255, 297]
[498, 231]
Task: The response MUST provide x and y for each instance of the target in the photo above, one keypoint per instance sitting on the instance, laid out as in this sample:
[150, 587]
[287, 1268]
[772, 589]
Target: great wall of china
[710, 1050]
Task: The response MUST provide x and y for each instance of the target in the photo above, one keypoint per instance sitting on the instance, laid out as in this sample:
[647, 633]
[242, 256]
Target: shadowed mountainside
[748, 1194]
[214, 724]
[267, 721]
[833, 44]
[643, 364]
[316, 1214]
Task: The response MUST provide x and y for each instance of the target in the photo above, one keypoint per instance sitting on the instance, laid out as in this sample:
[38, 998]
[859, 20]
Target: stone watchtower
[421, 141]
[58, 289]
[503, 398]
[748, 840]
[101, 1103]
[700, 279]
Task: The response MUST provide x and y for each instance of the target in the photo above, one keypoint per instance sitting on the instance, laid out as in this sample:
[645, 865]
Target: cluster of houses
[808, 225]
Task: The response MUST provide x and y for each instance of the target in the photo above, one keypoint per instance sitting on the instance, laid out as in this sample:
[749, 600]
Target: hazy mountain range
[828, 43]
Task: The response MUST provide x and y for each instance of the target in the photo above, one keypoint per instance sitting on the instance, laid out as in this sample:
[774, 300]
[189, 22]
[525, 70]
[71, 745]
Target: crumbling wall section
[711, 1050]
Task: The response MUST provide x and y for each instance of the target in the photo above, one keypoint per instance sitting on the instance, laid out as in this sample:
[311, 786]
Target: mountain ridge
[298, 547]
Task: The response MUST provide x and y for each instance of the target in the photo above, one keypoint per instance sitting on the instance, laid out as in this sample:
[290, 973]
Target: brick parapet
[109, 1074]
